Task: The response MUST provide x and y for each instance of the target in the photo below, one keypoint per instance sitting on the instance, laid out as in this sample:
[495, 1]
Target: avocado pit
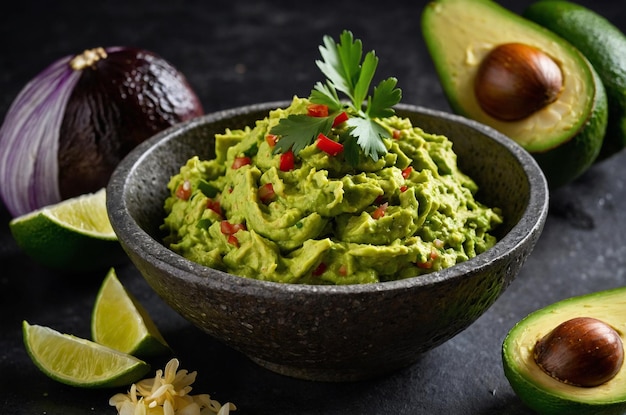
[516, 80]
[582, 351]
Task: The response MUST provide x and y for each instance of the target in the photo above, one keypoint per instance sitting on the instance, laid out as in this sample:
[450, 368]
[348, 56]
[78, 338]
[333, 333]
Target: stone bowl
[330, 333]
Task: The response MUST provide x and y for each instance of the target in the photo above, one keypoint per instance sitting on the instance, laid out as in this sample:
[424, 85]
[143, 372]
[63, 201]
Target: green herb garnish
[345, 73]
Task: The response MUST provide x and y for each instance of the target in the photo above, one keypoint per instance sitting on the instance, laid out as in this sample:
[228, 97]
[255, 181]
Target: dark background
[241, 52]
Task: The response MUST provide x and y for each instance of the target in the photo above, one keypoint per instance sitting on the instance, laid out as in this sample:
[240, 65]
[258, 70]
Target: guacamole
[316, 219]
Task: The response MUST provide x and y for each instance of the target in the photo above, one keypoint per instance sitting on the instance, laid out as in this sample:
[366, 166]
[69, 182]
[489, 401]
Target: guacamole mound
[326, 221]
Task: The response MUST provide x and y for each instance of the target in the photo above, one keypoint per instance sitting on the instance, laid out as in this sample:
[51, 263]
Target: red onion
[71, 125]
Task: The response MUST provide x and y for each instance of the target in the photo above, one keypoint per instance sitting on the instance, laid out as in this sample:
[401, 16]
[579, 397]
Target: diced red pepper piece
[341, 118]
[379, 212]
[425, 265]
[184, 190]
[271, 139]
[230, 229]
[328, 146]
[214, 205]
[226, 227]
[317, 110]
[343, 270]
[232, 239]
[240, 162]
[266, 193]
[428, 264]
[396, 134]
[406, 172]
[287, 161]
[319, 270]
[238, 227]
[403, 188]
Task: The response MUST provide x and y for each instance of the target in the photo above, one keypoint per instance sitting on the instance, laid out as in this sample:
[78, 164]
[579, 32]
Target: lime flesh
[120, 322]
[73, 235]
[80, 362]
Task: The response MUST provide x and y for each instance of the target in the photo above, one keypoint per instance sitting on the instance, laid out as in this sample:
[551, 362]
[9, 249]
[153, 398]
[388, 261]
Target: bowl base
[325, 374]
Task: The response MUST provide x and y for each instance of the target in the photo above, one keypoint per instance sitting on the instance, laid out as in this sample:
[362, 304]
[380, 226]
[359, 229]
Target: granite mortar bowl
[330, 333]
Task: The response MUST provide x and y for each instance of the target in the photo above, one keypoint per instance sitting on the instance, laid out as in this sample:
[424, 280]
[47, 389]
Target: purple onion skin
[118, 102]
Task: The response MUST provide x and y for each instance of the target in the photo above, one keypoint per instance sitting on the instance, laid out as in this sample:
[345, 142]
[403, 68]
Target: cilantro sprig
[346, 73]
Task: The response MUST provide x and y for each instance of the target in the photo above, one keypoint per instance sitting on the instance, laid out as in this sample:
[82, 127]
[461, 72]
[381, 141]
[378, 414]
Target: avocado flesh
[607, 306]
[460, 33]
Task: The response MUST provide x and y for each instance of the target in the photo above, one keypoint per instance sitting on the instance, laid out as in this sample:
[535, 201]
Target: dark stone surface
[241, 52]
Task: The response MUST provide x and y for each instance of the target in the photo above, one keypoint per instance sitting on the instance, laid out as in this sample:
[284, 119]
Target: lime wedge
[120, 322]
[74, 234]
[79, 362]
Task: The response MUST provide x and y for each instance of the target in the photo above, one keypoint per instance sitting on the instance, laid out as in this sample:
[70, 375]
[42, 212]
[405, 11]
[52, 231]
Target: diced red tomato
[214, 205]
[266, 193]
[287, 161]
[239, 227]
[343, 270]
[396, 134]
[328, 146]
[271, 139]
[232, 239]
[228, 228]
[341, 118]
[403, 188]
[379, 212]
[184, 190]
[319, 270]
[406, 172]
[240, 162]
[317, 110]
[425, 265]
[428, 264]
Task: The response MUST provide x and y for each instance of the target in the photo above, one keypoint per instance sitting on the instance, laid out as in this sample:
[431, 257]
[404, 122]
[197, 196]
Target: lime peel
[79, 362]
[73, 235]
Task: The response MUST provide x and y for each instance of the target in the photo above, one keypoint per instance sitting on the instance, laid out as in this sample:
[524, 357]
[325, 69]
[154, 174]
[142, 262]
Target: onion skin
[87, 119]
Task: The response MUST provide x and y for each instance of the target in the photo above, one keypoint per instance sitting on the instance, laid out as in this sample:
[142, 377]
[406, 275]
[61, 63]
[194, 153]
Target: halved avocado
[565, 135]
[604, 45]
[547, 395]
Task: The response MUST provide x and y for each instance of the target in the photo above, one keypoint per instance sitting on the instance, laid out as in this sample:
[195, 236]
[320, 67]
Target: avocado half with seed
[505, 71]
[543, 392]
[604, 45]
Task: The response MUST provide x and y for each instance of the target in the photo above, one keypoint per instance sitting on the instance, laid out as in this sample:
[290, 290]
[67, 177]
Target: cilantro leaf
[351, 150]
[326, 94]
[365, 79]
[341, 63]
[298, 131]
[368, 135]
[385, 96]
[342, 66]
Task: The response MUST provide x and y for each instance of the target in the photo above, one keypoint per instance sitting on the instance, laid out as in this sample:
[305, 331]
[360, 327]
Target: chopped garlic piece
[167, 394]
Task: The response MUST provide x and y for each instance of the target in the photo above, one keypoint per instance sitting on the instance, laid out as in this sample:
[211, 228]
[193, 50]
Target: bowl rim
[533, 218]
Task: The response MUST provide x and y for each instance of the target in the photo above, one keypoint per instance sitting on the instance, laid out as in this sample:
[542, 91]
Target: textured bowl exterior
[330, 333]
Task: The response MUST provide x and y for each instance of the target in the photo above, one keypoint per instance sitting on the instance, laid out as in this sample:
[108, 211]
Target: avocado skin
[579, 148]
[604, 45]
[604, 305]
